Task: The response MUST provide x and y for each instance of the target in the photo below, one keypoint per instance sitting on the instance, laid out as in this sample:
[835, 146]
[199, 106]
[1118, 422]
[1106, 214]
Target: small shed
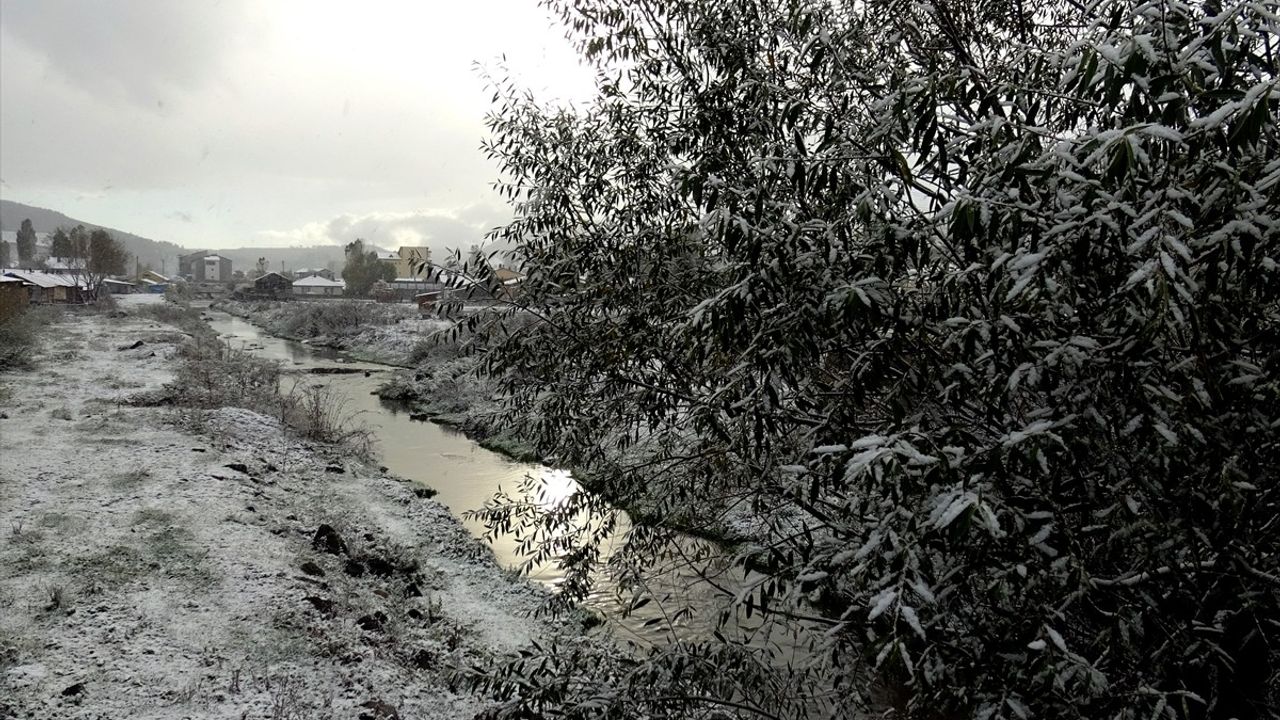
[428, 301]
[118, 287]
[13, 297]
[273, 284]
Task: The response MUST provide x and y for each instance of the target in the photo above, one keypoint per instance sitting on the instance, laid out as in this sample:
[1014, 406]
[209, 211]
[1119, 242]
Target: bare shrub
[318, 412]
[216, 375]
[329, 318]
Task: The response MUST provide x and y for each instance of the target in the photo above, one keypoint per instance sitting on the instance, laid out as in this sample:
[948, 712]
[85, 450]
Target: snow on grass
[147, 571]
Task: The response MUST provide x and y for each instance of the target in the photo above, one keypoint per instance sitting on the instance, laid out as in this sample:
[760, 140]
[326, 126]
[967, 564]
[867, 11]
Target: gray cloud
[261, 115]
[142, 50]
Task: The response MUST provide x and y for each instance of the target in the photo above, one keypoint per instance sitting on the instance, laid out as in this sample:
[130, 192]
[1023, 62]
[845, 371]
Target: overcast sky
[266, 122]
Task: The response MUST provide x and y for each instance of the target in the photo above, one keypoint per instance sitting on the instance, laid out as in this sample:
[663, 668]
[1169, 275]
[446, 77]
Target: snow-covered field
[149, 571]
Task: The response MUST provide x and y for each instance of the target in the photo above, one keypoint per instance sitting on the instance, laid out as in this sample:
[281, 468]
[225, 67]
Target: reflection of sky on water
[466, 476]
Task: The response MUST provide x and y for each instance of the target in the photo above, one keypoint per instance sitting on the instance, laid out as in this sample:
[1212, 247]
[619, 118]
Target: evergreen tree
[61, 246]
[26, 241]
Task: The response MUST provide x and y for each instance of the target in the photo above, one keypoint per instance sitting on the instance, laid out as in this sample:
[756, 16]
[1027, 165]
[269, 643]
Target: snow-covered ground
[151, 571]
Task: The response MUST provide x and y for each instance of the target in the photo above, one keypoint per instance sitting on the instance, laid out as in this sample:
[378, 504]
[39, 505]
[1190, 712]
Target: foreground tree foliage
[970, 308]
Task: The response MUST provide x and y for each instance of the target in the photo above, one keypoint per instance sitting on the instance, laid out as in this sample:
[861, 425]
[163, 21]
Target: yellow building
[406, 259]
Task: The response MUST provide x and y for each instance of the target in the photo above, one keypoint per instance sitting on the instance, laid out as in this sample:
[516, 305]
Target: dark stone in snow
[378, 710]
[424, 660]
[136, 344]
[334, 469]
[415, 613]
[412, 590]
[328, 540]
[71, 690]
[382, 468]
[368, 537]
[238, 467]
[354, 568]
[271, 468]
[250, 508]
[197, 450]
[379, 566]
[373, 622]
[323, 605]
[424, 492]
[311, 568]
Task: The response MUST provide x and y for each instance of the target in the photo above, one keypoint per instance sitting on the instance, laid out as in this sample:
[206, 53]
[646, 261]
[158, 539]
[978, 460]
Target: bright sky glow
[267, 122]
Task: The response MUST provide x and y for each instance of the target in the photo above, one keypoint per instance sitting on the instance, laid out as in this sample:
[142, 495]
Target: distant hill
[155, 253]
[293, 258]
[161, 254]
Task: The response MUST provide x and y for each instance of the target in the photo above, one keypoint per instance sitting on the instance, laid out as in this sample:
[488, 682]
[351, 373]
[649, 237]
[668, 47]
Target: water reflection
[693, 574]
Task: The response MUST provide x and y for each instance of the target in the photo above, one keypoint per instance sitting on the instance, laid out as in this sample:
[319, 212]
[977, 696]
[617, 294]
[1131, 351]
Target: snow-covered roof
[43, 279]
[317, 281]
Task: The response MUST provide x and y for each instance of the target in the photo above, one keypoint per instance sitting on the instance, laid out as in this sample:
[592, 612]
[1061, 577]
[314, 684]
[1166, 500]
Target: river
[466, 475]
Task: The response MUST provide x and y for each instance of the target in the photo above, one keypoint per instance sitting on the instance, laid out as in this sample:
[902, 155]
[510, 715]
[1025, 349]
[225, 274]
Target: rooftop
[317, 281]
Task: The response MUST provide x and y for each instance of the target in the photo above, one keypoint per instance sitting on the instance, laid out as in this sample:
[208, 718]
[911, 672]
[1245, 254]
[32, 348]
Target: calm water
[466, 475]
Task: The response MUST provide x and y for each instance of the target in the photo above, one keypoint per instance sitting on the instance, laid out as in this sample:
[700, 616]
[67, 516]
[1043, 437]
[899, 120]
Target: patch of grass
[129, 479]
[20, 336]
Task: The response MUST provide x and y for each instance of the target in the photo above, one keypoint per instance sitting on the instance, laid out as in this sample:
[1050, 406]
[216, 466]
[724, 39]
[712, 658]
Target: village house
[406, 260]
[153, 282]
[49, 288]
[325, 273]
[204, 266]
[273, 285]
[316, 285]
[119, 287]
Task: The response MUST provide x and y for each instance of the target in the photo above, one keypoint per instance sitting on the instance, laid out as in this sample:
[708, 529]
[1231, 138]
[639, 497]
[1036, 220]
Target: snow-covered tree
[972, 306]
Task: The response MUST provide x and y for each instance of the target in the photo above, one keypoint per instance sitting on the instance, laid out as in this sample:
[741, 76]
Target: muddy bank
[167, 563]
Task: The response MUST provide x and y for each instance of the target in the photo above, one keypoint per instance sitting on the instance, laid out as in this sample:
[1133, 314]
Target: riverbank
[388, 334]
[436, 381]
[169, 562]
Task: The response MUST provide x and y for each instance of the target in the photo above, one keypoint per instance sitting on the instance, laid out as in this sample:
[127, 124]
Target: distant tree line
[89, 255]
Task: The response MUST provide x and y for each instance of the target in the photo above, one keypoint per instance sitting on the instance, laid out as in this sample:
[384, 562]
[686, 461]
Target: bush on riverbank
[214, 375]
[20, 336]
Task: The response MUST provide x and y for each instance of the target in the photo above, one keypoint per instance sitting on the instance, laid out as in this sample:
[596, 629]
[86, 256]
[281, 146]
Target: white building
[316, 285]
